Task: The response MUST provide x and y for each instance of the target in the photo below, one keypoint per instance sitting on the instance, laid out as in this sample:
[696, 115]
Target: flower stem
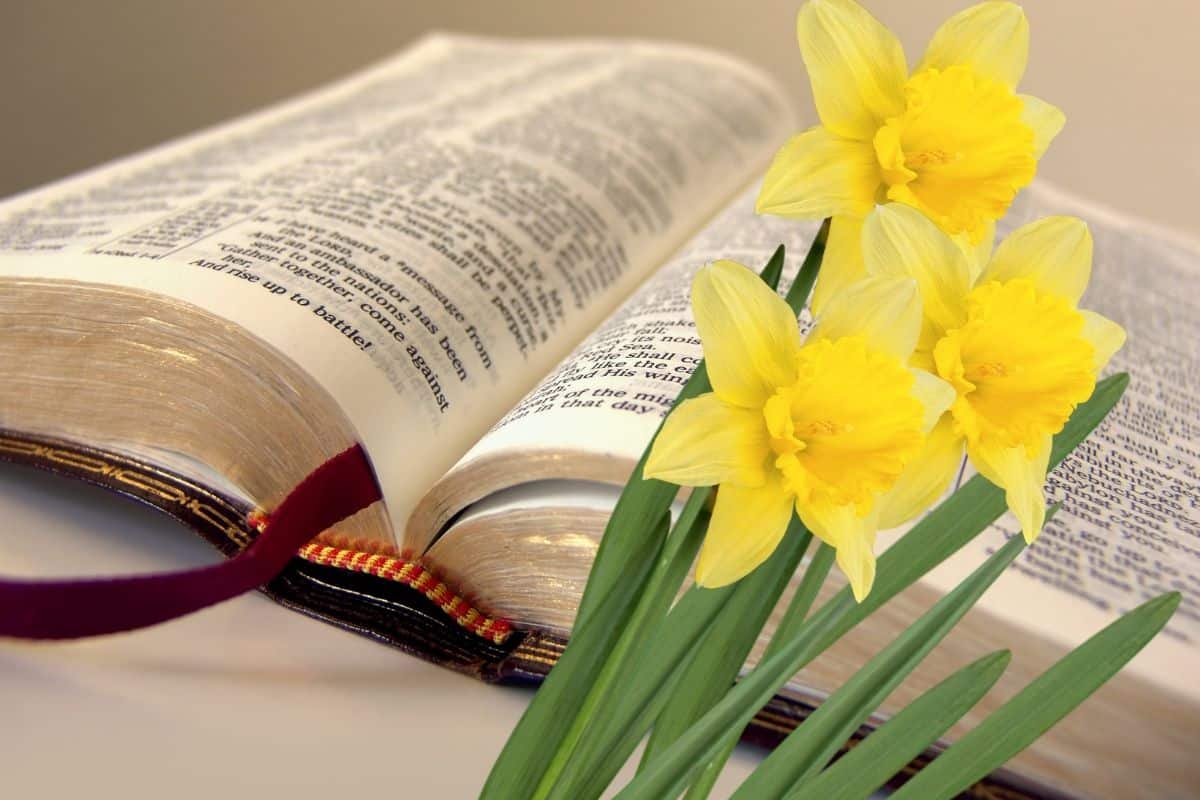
[797, 294]
[664, 582]
[788, 628]
[798, 607]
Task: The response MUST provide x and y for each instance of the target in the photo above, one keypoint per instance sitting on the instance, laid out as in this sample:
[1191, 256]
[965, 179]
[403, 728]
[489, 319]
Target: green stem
[797, 294]
[662, 586]
[788, 628]
[723, 652]
[620, 725]
[801, 602]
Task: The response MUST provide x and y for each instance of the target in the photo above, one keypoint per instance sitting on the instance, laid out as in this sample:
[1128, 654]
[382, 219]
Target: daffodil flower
[952, 139]
[1013, 343]
[824, 427]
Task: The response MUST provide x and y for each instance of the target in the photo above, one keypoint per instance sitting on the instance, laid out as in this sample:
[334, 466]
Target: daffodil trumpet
[1019, 352]
[822, 427]
[952, 138]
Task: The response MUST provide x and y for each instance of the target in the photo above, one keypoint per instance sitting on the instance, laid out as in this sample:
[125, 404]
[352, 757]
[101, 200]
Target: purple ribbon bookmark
[73, 609]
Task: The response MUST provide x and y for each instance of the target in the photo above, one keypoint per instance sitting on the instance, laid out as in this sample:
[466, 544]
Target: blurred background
[83, 82]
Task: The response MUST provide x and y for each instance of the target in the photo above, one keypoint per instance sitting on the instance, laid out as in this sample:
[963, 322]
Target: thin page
[429, 237]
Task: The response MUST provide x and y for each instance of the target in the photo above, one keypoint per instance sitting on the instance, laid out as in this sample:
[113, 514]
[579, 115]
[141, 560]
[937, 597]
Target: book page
[608, 396]
[1130, 525]
[593, 414]
[428, 238]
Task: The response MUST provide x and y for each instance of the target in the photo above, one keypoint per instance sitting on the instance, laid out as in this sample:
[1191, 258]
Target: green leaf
[632, 543]
[641, 503]
[703, 740]
[1041, 704]
[807, 750]
[931, 541]
[678, 555]
[623, 724]
[773, 271]
[673, 563]
[725, 648]
[902, 738]
[525, 756]
[789, 625]
[802, 600]
[670, 663]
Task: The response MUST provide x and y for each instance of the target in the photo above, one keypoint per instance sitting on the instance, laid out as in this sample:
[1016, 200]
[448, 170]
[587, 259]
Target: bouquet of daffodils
[929, 343]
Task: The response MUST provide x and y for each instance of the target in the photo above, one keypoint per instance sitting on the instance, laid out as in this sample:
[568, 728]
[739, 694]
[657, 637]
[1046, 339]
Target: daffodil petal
[856, 559]
[992, 38]
[706, 441]
[1021, 473]
[935, 394]
[1045, 119]
[842, 263]
[852, 536]
[747, 524]
[1106, 336]
[750, 335]
[817, 174]
[1055, 253]
[977, 246]
[900, 241]
[856, 66]
[925, 479]
[884, 310]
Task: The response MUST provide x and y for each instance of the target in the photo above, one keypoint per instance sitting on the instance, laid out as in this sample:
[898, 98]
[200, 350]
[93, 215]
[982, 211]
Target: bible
[473, 262]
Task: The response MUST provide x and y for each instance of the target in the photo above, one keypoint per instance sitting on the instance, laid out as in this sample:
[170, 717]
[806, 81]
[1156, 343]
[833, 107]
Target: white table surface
[244, 699]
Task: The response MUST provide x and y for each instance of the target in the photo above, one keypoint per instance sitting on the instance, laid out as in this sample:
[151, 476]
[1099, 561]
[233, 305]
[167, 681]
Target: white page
[428, 238]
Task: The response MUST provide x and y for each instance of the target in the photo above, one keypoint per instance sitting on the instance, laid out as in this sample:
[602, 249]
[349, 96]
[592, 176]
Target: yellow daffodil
[952, 139]
[825, 426]
[1013, 343]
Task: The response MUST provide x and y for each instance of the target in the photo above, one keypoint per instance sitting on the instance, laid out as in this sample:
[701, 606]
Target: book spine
[416, 576]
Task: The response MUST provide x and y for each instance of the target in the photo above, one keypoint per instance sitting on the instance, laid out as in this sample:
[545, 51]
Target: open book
[474, 259]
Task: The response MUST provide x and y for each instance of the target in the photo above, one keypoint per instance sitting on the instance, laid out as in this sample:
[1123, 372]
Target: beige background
[83, 82]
